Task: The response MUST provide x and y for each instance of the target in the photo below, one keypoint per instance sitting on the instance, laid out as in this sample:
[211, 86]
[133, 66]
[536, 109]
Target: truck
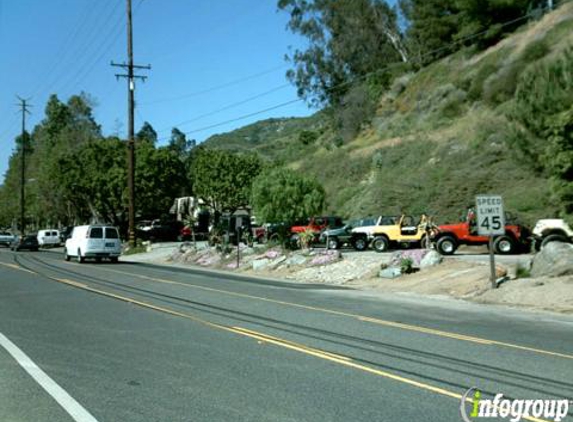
[448, 237]
[551, 230]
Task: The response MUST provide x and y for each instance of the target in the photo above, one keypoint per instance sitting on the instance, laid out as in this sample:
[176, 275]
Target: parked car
[404, 233]
[448, 237]
[29, 242]
[48, 238]
[343, 236]
[6, 238]
[366, 225]
[316, 225]
[166, 231]
[93, 241]
[551, 230]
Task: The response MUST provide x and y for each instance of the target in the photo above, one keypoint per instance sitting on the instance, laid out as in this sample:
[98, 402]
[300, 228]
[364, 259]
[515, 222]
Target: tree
[160, 177]
[437, 28]
[347, 40]
[146, 134]
[543, 105]
[180, 145]
[281, 194]
[223, 179]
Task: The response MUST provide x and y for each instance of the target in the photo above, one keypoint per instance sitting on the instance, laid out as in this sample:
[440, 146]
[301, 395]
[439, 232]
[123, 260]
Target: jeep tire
[332, 243]
[360, 244]
[554, 238]
[380, 244]
[504, 245]
[447, 245]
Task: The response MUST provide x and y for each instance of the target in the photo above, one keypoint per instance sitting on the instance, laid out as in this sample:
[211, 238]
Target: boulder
[259, 264]
[277, 261]
[554, 260]
[296, 259]
[390, 272]
[430, 259]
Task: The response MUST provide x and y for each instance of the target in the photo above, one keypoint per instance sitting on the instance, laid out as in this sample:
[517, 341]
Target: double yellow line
[387, 323]
[290, 345]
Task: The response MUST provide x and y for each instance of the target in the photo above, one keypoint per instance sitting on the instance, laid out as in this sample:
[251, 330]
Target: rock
[430, 259]
[277, 261]
[416, 255]
[326, 257]
[259, 264]
[296, 259]
[554, 260]
[390, 272]
[500, 271]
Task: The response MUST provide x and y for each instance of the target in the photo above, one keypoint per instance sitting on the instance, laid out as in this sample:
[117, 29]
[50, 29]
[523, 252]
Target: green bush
[307, 137]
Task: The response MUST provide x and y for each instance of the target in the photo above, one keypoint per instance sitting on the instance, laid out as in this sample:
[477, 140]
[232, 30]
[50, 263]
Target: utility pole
[23, 140]
[130, 121]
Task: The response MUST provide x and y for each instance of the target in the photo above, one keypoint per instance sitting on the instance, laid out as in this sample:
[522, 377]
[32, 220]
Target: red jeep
[448, 237]
[317, 225]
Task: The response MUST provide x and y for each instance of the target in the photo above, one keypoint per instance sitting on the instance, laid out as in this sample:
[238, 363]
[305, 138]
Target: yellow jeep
[405, 233]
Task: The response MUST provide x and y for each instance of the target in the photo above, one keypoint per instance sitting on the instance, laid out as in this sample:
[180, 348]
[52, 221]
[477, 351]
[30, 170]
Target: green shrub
[406, 265]
[535, 51]
[307, 137]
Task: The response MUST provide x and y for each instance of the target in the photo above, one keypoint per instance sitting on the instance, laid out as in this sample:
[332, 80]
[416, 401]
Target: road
[137, 342]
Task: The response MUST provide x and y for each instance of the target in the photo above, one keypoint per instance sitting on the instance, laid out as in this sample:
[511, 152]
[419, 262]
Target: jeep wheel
[447, 245]
[503, 245]
[333, 243]
[554, 238]
[66, 256]
[360, 244]
[380, 244]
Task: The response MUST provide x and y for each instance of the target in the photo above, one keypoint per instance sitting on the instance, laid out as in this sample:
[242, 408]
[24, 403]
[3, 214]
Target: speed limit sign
[490, 216]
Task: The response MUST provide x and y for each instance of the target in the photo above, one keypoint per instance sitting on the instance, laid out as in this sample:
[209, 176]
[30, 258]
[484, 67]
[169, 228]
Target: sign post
[490, 222]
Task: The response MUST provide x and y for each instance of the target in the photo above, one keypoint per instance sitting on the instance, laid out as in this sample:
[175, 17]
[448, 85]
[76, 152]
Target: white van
[94, 241]
[49, 237]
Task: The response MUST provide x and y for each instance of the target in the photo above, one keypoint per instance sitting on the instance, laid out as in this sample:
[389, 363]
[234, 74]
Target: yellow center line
[16, 267]
[332, 357]
[387, 323]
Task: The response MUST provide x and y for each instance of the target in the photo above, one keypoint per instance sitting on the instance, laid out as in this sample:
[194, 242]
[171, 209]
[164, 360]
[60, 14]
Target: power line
[359, 78]
[84, 52]
[245, 116]
[233, 105]
[216, 87]
[63, 51]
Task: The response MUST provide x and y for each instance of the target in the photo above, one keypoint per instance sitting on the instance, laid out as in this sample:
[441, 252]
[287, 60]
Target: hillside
[439, 136]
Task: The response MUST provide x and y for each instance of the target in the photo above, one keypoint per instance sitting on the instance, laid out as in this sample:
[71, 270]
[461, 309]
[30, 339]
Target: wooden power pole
[23, 141]
[130, 76]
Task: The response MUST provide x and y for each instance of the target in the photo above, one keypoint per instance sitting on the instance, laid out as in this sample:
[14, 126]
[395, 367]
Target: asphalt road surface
[136, 342]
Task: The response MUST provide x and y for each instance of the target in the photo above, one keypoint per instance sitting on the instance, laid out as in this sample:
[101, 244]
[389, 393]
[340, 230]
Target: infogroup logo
[512, 409]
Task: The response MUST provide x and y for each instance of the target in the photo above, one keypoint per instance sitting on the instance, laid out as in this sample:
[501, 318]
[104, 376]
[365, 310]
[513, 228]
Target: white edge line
[68, 403]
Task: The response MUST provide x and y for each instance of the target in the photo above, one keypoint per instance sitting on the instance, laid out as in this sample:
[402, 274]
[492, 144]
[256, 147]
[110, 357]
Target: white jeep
[551, 230]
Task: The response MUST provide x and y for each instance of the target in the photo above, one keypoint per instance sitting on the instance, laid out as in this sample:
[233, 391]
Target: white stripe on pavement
[70, 405]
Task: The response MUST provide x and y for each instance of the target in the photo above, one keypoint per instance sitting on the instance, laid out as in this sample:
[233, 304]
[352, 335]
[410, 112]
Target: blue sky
[205, 55]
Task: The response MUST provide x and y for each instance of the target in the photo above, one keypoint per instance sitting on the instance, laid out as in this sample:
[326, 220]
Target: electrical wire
[216, 87]
[233, 105]
[359, 78]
